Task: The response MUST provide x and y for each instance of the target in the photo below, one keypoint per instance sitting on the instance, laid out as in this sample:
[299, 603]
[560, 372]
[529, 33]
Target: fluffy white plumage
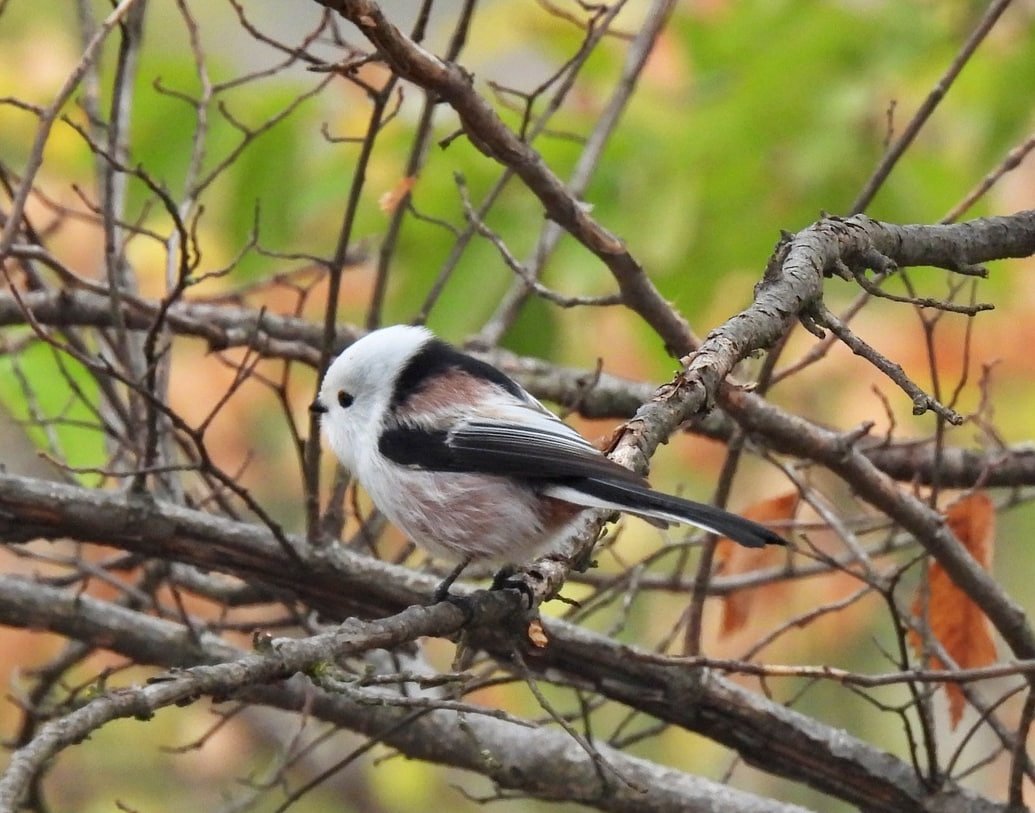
[367, 370]
[455, 515]
[468, 464]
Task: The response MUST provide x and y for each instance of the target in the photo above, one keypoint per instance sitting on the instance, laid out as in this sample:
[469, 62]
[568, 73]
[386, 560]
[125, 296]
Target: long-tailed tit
[468, 464]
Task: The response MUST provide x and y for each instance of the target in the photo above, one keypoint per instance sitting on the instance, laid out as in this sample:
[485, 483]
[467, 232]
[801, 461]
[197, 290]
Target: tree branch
[591, 394]
[338, 584]
[534, 759]
[491, 136]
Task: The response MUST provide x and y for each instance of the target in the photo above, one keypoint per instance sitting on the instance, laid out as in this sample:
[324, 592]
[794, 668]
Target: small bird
[469, 465]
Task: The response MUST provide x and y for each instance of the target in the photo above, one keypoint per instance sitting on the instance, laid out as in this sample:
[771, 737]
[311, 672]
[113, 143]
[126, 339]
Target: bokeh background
[751, 117]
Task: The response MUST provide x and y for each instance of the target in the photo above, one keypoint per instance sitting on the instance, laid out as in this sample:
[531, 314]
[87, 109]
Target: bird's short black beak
[317, 408]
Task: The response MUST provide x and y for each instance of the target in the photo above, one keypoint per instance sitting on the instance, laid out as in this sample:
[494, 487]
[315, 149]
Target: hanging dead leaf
[731, 559]
[390, 200]
[956, 622]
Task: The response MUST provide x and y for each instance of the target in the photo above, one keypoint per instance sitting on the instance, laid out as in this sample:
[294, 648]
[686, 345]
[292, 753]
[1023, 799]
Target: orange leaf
[731, 558]
[955, 621]
[391, 199]
[537, 634]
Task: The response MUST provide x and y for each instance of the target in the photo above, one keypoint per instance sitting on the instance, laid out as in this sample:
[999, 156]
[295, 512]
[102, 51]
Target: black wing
[565, 465]
[544, 449]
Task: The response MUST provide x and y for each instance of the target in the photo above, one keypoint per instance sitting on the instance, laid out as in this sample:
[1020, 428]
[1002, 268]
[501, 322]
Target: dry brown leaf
[955, 621]
[390, 200]
[731, 558]
[537, 634]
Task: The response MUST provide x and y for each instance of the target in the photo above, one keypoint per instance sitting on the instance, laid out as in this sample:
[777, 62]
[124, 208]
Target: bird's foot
[503, 581]
[442, 591]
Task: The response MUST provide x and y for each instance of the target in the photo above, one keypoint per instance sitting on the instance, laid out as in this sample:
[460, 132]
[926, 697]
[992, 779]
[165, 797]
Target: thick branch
[340, 584]
[795, 285]
[591, 394]
[535, 760]
[953, 466]
[221, 325]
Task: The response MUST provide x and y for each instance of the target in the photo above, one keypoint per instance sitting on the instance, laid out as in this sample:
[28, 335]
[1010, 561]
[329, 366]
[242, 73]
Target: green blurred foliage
[50, 395]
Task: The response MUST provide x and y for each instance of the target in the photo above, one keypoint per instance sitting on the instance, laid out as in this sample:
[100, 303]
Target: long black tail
[653, 505]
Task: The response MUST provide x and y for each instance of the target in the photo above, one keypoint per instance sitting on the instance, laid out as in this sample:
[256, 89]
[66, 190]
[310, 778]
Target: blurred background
[749, 118]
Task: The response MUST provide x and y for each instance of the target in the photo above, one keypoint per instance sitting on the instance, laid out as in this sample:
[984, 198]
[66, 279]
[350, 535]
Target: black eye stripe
[345, 399]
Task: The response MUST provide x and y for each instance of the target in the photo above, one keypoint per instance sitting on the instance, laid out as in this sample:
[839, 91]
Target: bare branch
[538, 761]
[896, 150]
[338, 583]
[488, 133]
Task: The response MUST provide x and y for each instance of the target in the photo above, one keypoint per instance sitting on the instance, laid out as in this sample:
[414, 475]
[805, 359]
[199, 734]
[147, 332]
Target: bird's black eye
[345, 399]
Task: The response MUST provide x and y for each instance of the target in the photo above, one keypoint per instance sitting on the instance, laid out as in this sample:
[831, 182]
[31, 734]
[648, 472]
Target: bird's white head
[357, 389]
